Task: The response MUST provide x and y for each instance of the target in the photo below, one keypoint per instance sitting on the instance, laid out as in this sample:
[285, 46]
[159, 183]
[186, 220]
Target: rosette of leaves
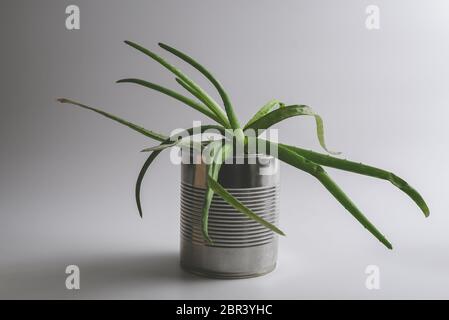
[224, 116]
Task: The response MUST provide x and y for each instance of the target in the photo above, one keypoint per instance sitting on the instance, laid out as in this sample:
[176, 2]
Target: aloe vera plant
[270, 114]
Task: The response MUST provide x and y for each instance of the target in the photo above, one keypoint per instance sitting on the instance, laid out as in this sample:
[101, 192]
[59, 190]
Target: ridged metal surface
[227, 226]
[241, 247]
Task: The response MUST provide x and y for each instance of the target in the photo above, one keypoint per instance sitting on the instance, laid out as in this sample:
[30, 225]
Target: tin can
[241, 247]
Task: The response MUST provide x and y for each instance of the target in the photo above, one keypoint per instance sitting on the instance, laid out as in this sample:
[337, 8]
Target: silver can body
[241, 247]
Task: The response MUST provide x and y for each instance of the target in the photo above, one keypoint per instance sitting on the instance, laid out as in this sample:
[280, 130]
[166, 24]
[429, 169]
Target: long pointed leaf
[346, 202]
[148, 133]
[142, 173]
[363, 169]
[224, 96]
[218, 189]
[213, 171]
[281, 114]
[211, 103]
[319, 173]
[191, 103]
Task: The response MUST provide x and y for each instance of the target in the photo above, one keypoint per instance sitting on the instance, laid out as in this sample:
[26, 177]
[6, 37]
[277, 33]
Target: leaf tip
[139, 206]
[387, 244]
[131, 44]
[207, 238]
[334, 153]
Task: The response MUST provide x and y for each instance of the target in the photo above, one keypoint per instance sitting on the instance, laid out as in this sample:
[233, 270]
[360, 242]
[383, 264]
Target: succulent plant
[270, 114]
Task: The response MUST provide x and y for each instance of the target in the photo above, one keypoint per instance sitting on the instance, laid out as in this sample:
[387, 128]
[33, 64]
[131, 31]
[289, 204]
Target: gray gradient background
[67, 175]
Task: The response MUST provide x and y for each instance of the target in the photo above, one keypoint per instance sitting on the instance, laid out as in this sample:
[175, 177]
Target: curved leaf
[142, 173]
[224, 96]
[211, 103]
[296, 160]
[363, 169]
[148, 133]
[286, 112]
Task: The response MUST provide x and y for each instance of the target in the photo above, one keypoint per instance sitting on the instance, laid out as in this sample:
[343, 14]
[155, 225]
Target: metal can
[241, 247]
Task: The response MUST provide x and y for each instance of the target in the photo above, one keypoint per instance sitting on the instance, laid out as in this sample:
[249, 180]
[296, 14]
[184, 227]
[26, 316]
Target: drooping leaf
[229, 198]
[286, 112]
[148, 133]
[296, 160]
[191, 103]
[363, 169]
[211, 103]
[142, 173]
[224, 96]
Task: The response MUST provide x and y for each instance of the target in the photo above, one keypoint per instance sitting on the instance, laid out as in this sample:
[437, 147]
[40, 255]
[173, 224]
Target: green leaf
[220, 153]
[183, 143]
[166, 143]
[148, 133]
[200, 97]
[191, 103]
[142, 173]
[267, 108]
[160, 147]
[218, 189]
[211, 103]
[224, 96]
[286, 112]
[294, 159]
[363, 169]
